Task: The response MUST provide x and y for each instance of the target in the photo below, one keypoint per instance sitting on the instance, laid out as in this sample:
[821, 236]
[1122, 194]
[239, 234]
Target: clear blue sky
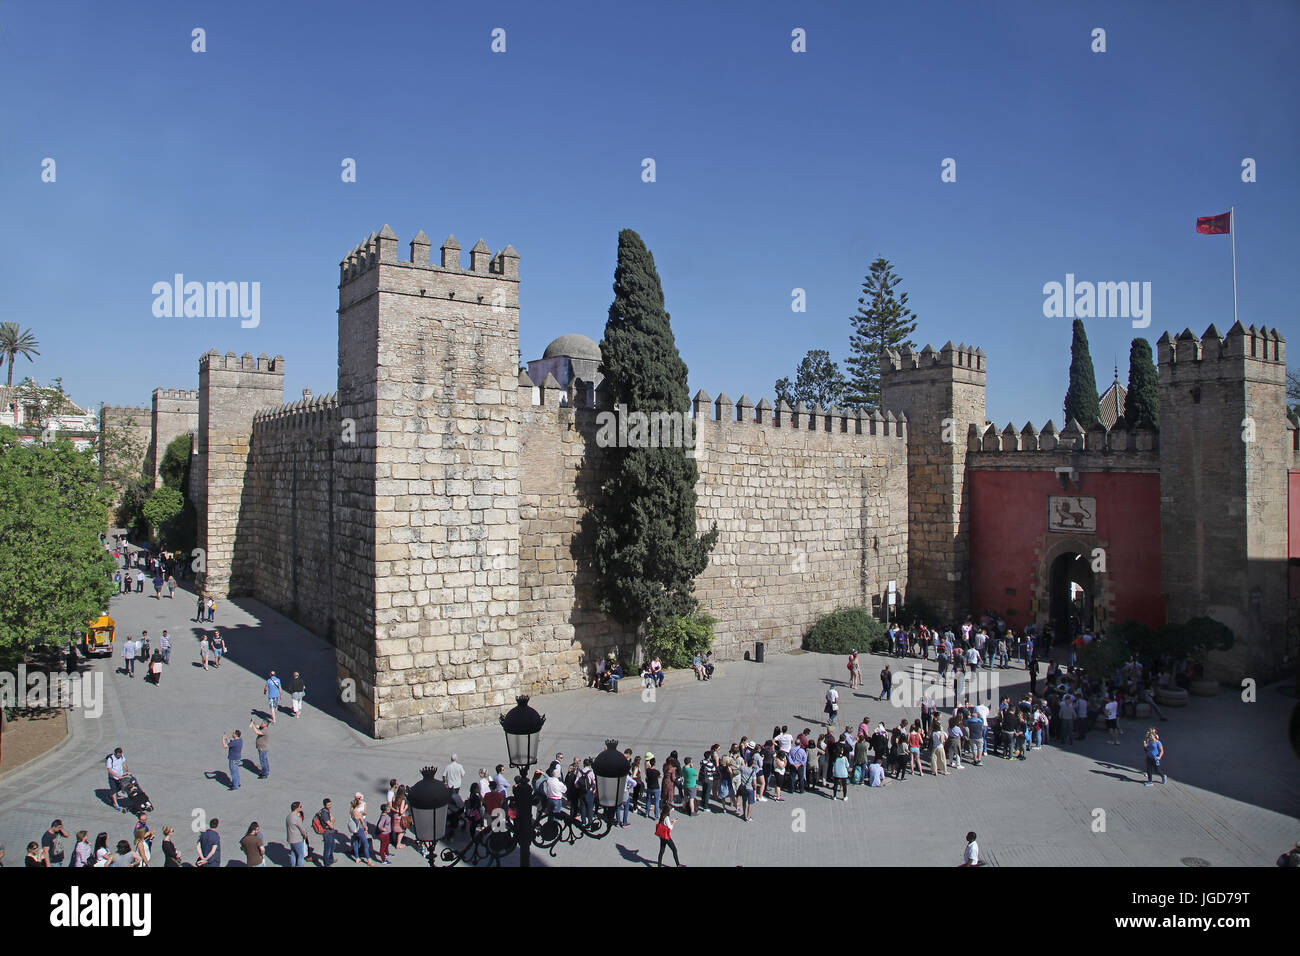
[776, 170]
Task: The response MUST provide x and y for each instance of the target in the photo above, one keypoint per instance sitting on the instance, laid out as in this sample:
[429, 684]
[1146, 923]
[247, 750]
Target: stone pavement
[1233, 796]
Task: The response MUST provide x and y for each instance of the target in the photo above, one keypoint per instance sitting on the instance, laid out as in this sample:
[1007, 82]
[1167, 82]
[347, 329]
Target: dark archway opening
[1072, 594]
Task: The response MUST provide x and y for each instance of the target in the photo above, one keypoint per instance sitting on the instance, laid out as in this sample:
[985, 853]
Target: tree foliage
[54, 572]
[1142, 400]
[883, 321]
[818, 381]
[647, 551]
[162, 506]
[46, 401]
[1081, 401]
[175, 464]
[16, 341]
[676, 640]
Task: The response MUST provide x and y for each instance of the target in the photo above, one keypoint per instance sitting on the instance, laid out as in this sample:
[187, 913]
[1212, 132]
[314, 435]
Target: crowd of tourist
[828, 761]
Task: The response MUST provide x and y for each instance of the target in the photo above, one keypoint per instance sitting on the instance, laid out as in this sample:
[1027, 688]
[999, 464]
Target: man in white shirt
[453, 775]
[784, 740]
[1112, 719]
[554, 789]
[972, 855]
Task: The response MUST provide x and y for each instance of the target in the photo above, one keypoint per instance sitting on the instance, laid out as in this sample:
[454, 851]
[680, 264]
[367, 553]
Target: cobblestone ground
[1232, 799]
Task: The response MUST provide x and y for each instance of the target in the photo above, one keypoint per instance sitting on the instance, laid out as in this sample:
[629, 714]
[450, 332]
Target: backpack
[317, 823]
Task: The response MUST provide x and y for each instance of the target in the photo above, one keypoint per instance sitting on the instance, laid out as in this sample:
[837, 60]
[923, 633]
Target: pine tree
[818, 381]
[1081, 400]
[883, 321]
[1142, 400]
[647, 552]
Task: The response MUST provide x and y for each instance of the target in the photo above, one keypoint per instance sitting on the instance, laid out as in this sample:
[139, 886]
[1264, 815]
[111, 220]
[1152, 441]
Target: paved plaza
[1232, 799]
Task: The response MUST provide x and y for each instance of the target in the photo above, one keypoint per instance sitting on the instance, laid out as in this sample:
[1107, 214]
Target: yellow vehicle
[99, 636]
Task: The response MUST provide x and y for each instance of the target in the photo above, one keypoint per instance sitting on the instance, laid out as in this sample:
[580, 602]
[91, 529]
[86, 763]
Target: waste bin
[758, 652]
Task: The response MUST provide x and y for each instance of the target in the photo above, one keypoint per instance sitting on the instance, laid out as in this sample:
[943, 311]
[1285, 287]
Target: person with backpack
[664, 831]
[832, 707]
[272, 691]
[323, 823]
[745, 789]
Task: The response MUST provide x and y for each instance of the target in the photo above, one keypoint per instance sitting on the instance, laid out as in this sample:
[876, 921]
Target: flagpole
[1233, 229]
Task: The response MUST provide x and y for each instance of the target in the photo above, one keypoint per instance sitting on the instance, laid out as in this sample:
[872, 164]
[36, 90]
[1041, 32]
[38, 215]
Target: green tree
[883, 321]
[647, 552]
[54, 573]
[1142, 400]
[818, 381]
[15, 342]
[1081, 401]
[162, 506]
[175, 465]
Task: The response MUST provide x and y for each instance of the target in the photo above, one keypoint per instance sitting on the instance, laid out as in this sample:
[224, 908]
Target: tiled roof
[1112, 404]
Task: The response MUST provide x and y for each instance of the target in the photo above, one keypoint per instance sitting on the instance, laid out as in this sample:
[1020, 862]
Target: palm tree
[15, 342]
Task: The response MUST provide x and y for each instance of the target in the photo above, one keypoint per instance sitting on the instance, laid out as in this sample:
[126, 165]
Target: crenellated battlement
[1073, 438]
[955, 356]
[130, 411]
[185, 394]
[306, 412]
[212, 360]
[722, 410]
[1262, 345]
[381, 247]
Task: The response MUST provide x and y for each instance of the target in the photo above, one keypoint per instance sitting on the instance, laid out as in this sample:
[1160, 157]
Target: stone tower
[231, 390]
[941, 394]
[1224, 452]
[175, 411]
[429, 482]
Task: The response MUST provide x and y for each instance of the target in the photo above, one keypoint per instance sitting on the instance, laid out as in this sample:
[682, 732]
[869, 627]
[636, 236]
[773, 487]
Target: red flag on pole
[1215, 225]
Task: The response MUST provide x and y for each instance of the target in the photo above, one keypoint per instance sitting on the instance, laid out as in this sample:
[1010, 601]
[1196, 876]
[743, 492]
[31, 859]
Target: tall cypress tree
[646, 548]
[1081, 400]
[1142, 400]
[883, 321]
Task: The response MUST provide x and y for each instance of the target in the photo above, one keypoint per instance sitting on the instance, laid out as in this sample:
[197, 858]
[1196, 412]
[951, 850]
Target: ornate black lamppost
[523, 729]
[431, 801]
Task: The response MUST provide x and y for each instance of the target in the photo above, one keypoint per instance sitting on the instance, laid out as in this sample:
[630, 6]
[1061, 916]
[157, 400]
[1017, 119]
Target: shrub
[845, 629]
[677, 640]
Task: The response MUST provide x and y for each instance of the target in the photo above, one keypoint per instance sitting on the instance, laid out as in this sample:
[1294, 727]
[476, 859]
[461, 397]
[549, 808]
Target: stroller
[137, 800]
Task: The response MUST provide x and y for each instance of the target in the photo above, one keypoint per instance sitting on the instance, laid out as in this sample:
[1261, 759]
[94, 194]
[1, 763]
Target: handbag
[663, 832]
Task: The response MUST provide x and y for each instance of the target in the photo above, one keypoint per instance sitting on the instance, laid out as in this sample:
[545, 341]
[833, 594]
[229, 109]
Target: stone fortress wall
[442, 549]
[428, 519]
